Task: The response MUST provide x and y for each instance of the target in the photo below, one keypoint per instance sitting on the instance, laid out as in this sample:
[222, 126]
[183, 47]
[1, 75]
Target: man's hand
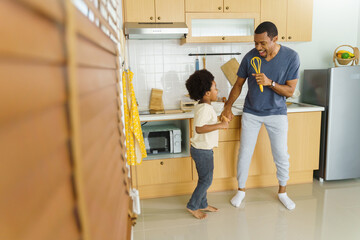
[262, 79]
[227, 113]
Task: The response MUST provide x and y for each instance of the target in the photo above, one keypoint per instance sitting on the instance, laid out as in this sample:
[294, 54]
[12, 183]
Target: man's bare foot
[198, 214]
[210, 209]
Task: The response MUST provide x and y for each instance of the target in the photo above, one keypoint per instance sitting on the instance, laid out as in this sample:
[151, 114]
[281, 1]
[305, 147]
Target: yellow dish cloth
[135, 146]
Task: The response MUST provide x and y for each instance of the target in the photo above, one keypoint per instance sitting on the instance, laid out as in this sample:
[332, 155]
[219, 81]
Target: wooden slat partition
[29, 84]
[37, 196]
[92, 134]
[63, 173]
[91, 79]
[93, 103]
[92, 33]
[30, 36]
[93, 56]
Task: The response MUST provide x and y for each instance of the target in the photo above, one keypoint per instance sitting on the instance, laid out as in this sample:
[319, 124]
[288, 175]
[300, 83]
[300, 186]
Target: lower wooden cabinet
[303, 145]
[171, 170]
[225, 160]
[226, 154]
[303, 148]
[304, 140]
[176, 176]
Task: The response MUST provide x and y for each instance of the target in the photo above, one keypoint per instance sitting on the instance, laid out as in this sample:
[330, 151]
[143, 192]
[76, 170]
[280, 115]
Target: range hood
[174, 30]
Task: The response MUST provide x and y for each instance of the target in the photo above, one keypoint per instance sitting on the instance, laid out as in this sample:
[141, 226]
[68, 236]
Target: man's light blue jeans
[277, 128]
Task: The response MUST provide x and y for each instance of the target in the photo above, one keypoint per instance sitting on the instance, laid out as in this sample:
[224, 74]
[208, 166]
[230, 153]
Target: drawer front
[231, 134]
[171, 170]
[225, 160]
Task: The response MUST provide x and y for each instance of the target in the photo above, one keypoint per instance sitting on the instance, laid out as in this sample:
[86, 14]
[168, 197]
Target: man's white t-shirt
[204, 114]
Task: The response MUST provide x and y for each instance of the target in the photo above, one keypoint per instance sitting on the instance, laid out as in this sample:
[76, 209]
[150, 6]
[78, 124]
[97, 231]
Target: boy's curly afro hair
[199, 83]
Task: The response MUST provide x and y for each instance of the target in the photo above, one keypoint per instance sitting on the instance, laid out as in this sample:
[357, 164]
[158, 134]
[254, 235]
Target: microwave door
[146, 140]
[171, 142]
[159, 142]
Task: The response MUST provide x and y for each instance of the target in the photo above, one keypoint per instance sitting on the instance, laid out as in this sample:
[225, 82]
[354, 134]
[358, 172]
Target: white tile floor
[324, 211]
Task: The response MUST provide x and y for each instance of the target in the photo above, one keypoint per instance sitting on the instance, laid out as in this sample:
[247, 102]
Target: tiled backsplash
[165, 64]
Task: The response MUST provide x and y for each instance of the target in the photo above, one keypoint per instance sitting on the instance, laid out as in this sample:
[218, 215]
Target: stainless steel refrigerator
[338, 90]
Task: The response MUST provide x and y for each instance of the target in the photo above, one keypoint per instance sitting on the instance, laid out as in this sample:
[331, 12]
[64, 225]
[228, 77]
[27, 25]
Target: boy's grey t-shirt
[283, 67]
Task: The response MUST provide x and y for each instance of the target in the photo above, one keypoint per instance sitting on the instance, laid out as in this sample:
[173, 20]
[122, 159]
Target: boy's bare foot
[198, 214]
[210, 209]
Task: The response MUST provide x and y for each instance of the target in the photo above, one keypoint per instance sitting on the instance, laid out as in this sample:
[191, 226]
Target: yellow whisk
[256, 64]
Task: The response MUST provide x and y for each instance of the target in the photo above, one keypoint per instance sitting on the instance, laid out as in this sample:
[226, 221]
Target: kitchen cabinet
[220, 21]
[162, 171]
[225, 159]
[165, 174]
[292, 18]
[176, 176]
[303, 148]
[298, 140]
[221, 27]
[235, 6]
[163, 177]
[152, 11]
[225, 155]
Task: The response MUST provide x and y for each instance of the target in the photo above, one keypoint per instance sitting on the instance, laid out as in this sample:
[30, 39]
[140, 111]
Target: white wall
[330, 30]
[166, 65]
[334, 23]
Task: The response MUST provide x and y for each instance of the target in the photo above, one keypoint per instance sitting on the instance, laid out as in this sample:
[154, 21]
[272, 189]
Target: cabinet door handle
[159, 18]
[223, 38]
[219, 8]
[227, 8]
[289, 37]
[282, 37]
[151, 18]
[161, 163]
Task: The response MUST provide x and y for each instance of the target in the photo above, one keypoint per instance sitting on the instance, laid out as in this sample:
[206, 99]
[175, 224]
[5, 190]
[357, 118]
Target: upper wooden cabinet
[221, 27]
[235, 6]
[299, 23]
[292, 18]
[154, 11]
[220, 21]
[204, 5]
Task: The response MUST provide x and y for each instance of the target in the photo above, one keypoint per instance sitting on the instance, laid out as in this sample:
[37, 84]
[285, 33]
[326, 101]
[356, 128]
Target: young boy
[202, 87]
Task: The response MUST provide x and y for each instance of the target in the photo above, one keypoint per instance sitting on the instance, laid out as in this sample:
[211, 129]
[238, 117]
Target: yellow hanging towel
[135, 146]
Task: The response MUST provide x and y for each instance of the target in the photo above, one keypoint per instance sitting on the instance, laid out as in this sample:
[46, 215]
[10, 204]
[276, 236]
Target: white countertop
[236, 109]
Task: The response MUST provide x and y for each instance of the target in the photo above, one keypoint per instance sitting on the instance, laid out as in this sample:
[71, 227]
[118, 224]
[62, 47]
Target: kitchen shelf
[184, 125]
[185, 153]
[213, 54]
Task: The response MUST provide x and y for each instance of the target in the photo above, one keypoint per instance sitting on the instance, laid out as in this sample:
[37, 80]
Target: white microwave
[162, 139]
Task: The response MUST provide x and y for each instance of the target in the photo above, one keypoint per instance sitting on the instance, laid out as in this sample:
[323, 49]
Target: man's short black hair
[199, 83]
[268, 27]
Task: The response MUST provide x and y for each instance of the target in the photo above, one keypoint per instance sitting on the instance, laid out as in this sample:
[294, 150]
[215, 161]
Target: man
[279, 74]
